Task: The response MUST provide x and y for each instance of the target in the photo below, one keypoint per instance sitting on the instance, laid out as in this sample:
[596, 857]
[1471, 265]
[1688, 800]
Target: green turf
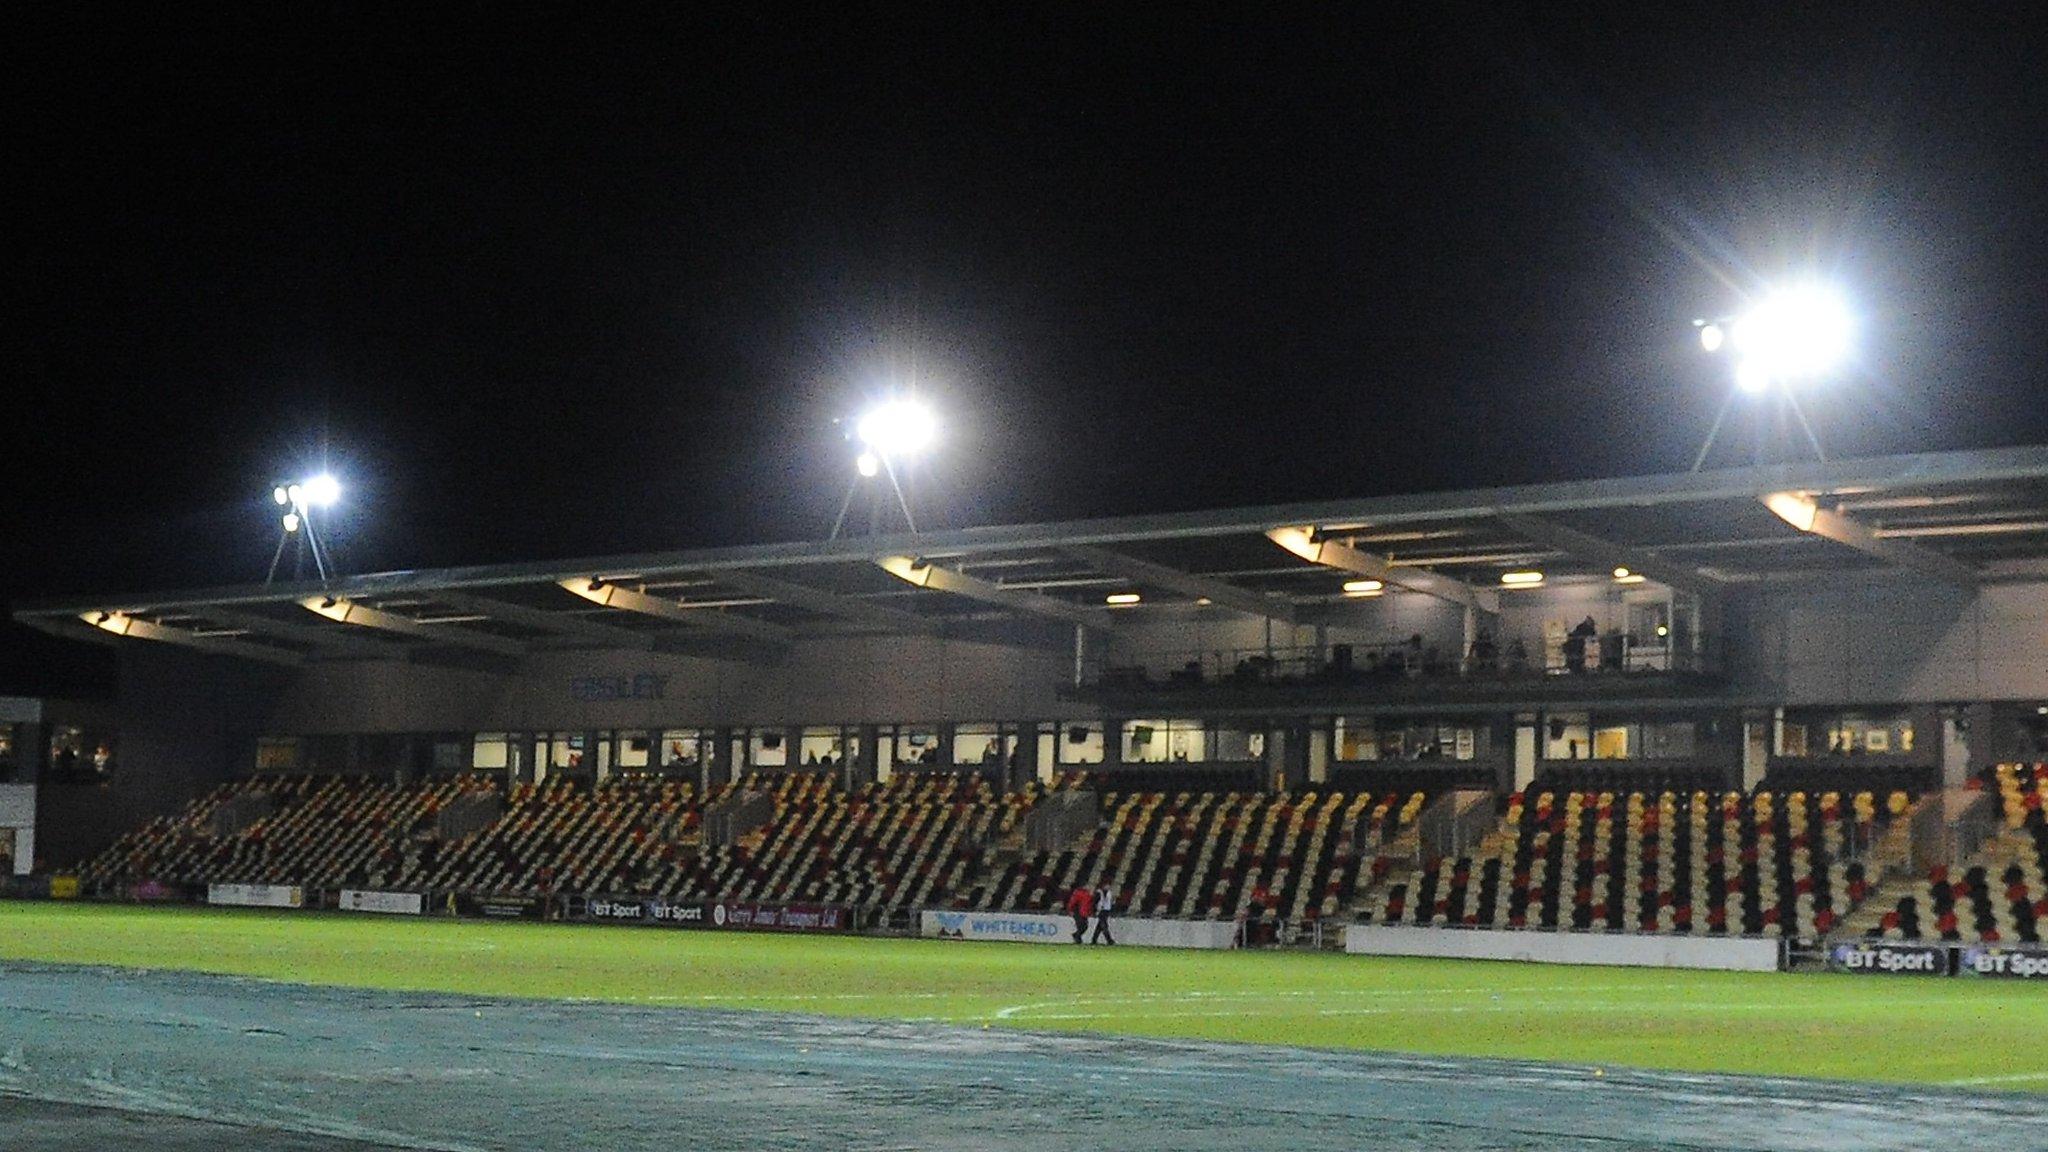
[1917, 1030]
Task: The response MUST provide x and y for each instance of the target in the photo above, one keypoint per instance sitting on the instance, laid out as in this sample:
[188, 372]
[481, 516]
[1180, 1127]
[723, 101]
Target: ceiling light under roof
[1527, 579]
[1121, 599]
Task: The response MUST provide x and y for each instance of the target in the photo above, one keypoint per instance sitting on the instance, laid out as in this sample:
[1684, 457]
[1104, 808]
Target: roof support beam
[1200, 587]
[1802, 512]
[122, 624]
[564, 624]
[1607, 553]
[830, 603]
[349, 612]
[923, 573]
[334, 640]
[1310, 546]
[633, 600]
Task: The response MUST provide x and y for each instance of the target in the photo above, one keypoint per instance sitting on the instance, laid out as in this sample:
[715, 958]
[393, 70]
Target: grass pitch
[1917, 1030]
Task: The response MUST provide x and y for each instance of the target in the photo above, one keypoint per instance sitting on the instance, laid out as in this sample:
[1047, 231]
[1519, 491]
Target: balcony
[1600, 665]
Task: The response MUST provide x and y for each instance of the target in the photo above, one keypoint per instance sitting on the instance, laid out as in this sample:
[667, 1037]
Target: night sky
[541, 283]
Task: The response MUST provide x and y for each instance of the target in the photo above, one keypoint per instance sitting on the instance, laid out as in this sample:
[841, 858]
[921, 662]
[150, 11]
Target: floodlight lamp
[280, 495]
[868, 464]
[1793, 334]
[291, 522]
[296, 494]
[323, 490]
[898, 428]
[1712, 337]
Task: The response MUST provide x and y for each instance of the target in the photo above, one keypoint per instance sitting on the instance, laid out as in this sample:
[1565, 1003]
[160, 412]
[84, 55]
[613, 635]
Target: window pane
[1081, 743]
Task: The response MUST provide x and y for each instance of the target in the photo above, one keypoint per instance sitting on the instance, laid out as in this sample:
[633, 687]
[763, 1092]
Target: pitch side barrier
[1048, 928]
[1906, 958]
[734, 914]
[1627, 950]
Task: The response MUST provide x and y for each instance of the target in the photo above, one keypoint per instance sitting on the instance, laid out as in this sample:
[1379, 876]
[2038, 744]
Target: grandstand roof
[1957, 517]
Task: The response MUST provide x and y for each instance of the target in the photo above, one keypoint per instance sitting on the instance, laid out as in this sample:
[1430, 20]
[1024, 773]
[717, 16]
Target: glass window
[768, 748]
[565, 750]
[1847, 734]
[632, 750]
[450, 755]
[825, 747]
[681, 749]
[1364, 738]
[1669, 740]
[917, 745]
[1080, 742]
[67, 750]
[1611, 742]
[1567, 736]
[1238, 744]
[277, 753]
[489, 751]
[980, 744]
[1164, 741]
[1356, 739]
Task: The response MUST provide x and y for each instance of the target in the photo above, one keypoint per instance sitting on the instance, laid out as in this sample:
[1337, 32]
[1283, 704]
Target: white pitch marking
[2014, 1078]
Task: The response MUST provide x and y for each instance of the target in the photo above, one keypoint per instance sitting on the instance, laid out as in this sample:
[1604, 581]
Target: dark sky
[542, 283]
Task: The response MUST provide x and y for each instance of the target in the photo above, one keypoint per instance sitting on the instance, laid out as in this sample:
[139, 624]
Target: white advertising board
[1733, 954]
[256, 895]
[1047, 928]
[398, 903]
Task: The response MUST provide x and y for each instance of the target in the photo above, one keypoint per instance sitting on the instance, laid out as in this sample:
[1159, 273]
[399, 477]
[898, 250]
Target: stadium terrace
[1799, 707]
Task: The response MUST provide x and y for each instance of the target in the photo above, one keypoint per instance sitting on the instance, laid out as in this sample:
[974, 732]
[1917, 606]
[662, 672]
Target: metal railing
[1603, 654]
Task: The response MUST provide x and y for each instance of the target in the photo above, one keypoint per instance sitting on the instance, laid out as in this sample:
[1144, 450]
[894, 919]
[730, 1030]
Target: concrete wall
[1890, 639]
[834, 681]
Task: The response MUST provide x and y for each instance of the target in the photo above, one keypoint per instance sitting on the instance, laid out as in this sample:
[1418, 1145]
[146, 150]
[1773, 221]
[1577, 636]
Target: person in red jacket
[1080, 905]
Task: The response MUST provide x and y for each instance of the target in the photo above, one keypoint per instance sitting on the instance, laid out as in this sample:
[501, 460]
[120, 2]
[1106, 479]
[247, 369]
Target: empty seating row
[2001, 895]
[1762, 864]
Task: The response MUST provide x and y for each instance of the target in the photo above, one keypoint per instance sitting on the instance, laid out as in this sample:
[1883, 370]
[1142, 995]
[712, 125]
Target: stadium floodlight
[323, 490]
[298, 499]
[890, 432]
[1792, 336]
[897, 428]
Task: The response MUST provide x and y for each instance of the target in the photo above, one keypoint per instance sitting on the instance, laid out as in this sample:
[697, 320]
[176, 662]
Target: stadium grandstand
[1800, 703]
